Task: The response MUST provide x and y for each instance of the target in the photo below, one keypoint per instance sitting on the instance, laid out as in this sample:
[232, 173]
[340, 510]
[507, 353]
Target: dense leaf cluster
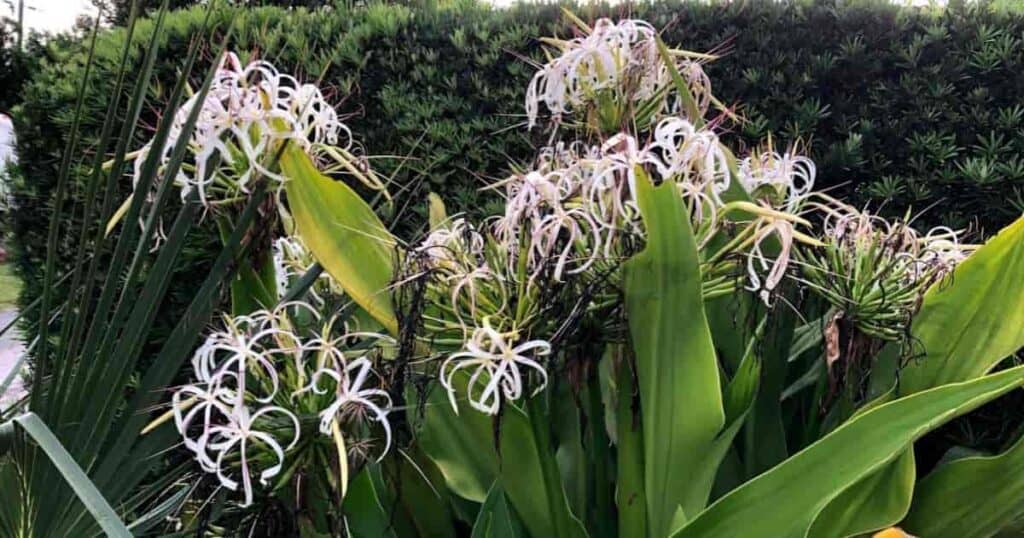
[900, 108]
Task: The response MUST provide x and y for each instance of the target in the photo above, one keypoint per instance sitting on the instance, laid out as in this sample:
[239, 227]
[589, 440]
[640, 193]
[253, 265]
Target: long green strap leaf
[66, 465]
[529, 473]
[496, 519]
[365, 514]
[629, 487]
[680, 394]
[878, 501]
[784, 502]
[462, 445]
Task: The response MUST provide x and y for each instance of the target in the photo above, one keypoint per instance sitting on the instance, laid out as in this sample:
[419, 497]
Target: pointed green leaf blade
[966, 326]
[344, 234]
[878, 501]
[783, 502]
[970, 498]
[680, 394]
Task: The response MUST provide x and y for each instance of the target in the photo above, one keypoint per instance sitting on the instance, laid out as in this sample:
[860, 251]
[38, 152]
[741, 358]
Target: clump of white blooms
[616, 62]
[490, 290]
[246, 112]
[874, 270]
[470, 286]
[780, 182]
[242, 410]
[576, 204]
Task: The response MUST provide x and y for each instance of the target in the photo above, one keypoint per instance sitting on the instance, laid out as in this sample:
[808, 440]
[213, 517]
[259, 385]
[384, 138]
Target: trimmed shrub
[899, 107]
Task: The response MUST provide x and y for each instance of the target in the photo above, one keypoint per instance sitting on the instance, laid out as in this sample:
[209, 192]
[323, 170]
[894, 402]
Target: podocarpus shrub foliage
[898, 107]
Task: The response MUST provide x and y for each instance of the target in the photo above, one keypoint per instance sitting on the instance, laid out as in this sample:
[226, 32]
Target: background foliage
[899, 108]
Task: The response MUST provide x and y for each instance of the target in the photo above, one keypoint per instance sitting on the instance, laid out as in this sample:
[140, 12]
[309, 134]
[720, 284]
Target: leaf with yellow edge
[344, 234]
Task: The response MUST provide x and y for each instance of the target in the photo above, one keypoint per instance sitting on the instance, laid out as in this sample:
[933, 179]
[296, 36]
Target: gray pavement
[11, 349]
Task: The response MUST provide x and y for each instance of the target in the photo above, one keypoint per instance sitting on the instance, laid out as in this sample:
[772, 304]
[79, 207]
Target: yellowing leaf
[344, 234]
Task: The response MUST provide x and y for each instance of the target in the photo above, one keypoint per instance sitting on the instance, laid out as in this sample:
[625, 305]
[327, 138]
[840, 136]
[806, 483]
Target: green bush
[899, 107]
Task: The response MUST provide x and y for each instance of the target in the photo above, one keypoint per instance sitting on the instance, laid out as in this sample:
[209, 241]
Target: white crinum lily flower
[758, 262]
[246, 342]
[496, 364]
[455, 254]
[206, 403]
[351, 395]
[452, 243]
[942, 250]
[692, 158]
[246, 110]
[542, 205]
[292, 259]
[618, 57]
[225, 363]
[239, 433]
[782, 180]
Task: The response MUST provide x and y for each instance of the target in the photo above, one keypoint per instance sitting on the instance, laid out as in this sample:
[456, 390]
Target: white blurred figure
[7, 158]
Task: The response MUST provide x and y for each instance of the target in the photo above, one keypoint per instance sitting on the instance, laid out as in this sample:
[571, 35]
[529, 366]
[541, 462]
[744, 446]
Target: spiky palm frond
[89, 387]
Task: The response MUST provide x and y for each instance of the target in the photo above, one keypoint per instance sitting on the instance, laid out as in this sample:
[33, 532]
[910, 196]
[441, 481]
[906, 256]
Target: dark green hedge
[899, 107]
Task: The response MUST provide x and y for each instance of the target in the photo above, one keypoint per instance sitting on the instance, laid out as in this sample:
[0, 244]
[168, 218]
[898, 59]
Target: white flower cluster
[783, 180]
[616, 59]
[291, 260]
[246, 110]
[575, 204]
[237, 409]
[470, 291]
[915, 257]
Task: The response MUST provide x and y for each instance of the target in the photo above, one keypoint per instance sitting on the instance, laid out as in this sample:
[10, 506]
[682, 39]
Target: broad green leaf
[599, 473]
[530, 475]
[971, 497]
[680, 394]
[254, 286]
[461, 445]
[344, 234]
[424, 495]
[966, 326]
[629, 487]
[878, 501]
[568, 438]
[365, 514]
[783, 502]
[764, 434]
[496, 519]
